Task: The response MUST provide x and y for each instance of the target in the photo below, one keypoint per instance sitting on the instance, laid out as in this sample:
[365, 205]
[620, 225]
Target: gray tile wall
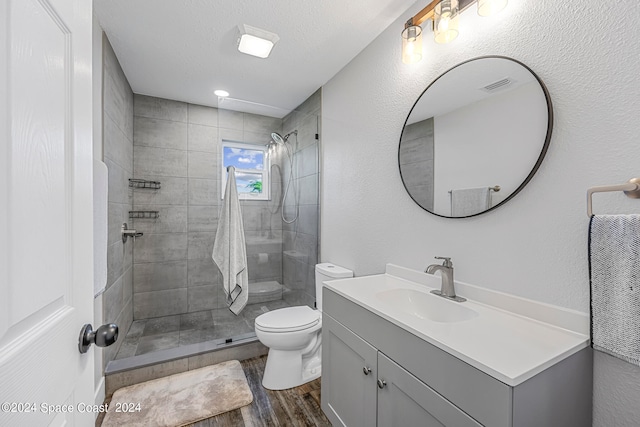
[416, 161]
[178, 144]
[118, 155]
[301, 238]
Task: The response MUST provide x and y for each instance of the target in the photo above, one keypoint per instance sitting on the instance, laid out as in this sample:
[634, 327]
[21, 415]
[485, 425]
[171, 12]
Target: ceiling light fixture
[221, 93]
[444, 16]
[256, 42]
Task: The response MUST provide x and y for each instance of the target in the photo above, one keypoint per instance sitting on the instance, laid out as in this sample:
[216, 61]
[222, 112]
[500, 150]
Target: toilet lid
[288, 319]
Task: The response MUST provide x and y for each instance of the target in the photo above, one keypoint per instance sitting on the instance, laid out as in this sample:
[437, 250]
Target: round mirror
[475, 137]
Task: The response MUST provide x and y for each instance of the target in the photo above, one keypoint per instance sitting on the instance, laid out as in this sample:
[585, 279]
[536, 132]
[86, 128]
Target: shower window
[252, 169]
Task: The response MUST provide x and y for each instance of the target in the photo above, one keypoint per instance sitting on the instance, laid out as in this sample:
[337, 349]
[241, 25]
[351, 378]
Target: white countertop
[500, 341]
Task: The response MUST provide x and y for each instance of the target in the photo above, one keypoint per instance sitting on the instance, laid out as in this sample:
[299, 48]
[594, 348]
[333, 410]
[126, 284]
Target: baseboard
[99, 394]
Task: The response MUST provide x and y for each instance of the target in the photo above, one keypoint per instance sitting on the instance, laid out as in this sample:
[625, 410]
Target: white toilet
[293, 337]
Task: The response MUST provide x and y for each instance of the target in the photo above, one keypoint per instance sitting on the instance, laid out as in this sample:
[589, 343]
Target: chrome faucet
[446, 270]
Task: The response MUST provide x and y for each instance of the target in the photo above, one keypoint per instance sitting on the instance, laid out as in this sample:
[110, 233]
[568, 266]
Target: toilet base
[287, 369]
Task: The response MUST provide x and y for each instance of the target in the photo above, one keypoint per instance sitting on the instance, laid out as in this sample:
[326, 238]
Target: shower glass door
[179, 306]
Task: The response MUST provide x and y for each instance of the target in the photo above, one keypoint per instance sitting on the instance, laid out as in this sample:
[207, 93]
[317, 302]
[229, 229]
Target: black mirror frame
[536, 166]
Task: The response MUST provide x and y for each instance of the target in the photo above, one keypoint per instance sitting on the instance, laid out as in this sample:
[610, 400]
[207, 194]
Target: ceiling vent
[499, 85]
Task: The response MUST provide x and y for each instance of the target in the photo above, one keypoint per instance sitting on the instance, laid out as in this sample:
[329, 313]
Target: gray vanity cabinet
[363, 387]
[404, 400]
[348, 377]
[375, 373]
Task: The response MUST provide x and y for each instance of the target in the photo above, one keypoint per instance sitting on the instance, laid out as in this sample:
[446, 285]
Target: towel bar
[631, 189]
[495, 188]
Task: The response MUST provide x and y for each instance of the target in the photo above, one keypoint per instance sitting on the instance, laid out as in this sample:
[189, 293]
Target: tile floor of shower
[167, 332]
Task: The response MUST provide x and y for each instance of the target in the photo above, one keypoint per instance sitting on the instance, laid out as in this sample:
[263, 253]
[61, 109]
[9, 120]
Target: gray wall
[178, 144]
[118, 156]
[300, 239]
[416, 161]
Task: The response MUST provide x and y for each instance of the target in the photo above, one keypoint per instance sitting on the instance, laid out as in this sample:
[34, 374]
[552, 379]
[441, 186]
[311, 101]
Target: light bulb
[443, 25]
[491, 7]
[410, 48]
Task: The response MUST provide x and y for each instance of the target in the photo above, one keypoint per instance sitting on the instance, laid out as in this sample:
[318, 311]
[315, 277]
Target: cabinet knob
[366, 370]
[382, 384]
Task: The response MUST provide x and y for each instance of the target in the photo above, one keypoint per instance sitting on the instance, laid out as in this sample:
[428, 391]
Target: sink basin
[426, 306]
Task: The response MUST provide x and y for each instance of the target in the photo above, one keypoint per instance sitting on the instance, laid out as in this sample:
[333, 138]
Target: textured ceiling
[185, 49]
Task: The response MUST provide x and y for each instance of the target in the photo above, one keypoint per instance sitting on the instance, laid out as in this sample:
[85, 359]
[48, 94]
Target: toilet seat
[290, 319]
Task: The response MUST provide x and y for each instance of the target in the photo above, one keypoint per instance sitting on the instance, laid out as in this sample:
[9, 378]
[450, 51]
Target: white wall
[536, 245]
[498, 144]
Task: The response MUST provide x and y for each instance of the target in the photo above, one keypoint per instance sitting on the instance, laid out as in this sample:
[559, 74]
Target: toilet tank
[325, 272]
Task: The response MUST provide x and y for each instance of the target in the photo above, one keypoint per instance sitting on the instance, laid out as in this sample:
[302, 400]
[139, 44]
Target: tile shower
[117, 299]
[177, 297]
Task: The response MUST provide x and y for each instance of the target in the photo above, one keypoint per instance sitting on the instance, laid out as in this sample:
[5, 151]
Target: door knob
[366, 370]
[382, 384]
[104, 336]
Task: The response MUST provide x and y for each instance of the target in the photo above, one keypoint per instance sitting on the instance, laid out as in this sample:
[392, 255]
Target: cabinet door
[405, 401]
[348, 376]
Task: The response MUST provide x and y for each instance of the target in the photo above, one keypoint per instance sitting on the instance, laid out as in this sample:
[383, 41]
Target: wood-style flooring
[298, 406]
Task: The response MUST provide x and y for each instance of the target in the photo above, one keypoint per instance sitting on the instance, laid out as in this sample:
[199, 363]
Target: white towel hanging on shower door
[229, 248]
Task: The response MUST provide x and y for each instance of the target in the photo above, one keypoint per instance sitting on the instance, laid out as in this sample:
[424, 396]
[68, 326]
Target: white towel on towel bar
[229, 248]
[470, 201]
[614, 267]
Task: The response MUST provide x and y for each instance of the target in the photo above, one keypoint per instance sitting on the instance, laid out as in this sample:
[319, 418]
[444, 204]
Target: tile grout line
[188, 208]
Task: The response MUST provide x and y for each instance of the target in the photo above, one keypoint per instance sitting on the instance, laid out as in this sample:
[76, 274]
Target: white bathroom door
[46, 254]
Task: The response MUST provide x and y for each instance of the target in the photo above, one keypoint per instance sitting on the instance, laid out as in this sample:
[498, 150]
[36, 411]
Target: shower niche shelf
[143, 183]
[144, 214]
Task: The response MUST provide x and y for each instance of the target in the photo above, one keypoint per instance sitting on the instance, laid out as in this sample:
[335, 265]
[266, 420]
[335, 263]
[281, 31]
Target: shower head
[279, 139]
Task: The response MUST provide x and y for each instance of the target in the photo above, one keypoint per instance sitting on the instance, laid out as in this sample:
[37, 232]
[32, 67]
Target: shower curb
[134, 370]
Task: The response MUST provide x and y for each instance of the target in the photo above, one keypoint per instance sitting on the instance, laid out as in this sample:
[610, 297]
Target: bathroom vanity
[395, 355]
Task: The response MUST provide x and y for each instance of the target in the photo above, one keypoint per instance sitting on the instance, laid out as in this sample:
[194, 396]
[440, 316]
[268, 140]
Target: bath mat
[180, 399]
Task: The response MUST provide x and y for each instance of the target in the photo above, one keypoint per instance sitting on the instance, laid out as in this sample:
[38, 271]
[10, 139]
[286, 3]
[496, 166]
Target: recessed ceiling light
[256, 42]
[221, 93]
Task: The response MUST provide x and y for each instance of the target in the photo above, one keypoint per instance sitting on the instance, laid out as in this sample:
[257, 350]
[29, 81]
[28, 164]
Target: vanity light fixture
[221, 93]
[412, 44]
[444, 19]
[255, 41]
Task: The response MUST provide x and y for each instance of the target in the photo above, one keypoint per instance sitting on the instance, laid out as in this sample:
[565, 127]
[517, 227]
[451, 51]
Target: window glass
[252, 169]
[242, 158]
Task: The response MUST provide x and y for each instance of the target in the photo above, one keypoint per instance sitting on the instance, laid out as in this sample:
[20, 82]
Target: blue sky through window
[242, 158]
